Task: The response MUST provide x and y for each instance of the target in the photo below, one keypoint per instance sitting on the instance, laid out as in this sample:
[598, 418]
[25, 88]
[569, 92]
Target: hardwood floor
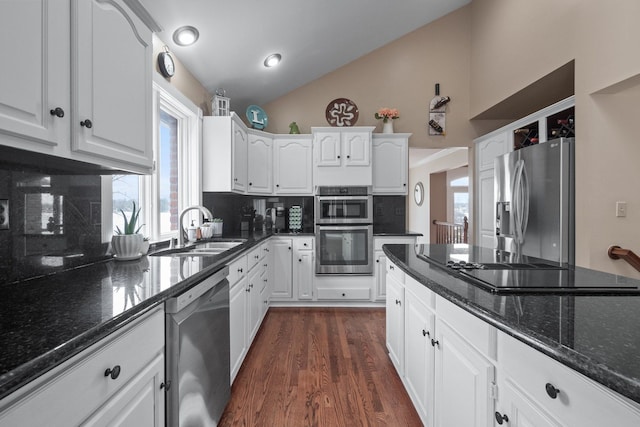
[319, 367]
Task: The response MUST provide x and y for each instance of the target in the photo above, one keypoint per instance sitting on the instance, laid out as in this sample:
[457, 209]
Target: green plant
[130, 223]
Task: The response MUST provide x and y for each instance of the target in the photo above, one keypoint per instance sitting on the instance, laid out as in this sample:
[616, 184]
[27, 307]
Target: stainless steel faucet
[181, 231]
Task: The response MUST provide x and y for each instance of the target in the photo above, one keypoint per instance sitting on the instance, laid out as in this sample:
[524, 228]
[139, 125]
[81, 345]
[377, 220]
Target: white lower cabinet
[519, 410]
[549, 393]
[460, 371]
[303, 259]
[238, 306]
[419, 353]
[248, 301]
[282, 273]
[463, 381]
[395, 318]
[117, 381]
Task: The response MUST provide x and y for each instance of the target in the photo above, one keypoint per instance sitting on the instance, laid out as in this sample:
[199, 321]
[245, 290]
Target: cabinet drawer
[74, 390]
[343, 294]
[580, 400]
[303, 243]
[237, 269]
[476, 331]
[395, 271]
[426, 295]
[254, 256]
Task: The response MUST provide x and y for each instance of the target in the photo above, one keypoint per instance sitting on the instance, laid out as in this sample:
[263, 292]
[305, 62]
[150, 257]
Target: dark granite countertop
[404, 233]
[598, 336]
[47, 320]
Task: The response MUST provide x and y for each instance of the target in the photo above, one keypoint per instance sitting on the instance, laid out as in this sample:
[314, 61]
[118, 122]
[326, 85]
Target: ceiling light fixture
[186, 36]
[272, 60]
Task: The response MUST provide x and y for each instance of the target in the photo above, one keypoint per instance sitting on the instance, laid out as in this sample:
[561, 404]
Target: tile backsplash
[54, 221]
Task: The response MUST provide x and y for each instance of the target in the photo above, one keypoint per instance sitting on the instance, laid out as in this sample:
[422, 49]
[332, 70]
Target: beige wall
[602, 38]
[399, 75]
[419, 217]
[183, 80]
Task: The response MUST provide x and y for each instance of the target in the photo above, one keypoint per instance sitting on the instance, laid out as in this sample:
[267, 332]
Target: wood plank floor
[319, 367]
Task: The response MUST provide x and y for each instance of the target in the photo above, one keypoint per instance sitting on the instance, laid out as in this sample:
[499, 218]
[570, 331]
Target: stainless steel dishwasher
[197, 353]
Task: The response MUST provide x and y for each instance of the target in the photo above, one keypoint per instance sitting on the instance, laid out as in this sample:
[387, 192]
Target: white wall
[418, 216]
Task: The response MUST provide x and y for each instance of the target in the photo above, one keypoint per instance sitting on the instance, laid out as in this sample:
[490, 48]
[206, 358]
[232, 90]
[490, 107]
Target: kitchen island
[595, 335]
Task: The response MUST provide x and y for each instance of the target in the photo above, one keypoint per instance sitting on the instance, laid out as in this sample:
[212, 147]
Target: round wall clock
[257, 117]
[165, 64]
[418, 194]
[342, 112]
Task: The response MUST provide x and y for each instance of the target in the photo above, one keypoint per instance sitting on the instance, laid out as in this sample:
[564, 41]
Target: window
[175, 182]
[458, 194]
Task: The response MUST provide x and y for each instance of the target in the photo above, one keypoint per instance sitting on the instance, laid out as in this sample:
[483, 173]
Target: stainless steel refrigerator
[534, 193]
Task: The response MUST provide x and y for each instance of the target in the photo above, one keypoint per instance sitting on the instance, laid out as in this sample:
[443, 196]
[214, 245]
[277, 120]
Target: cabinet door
[238, 325]
[139, 403]
[260, 164]
[239, 157]
[390, 165]
[356, 148]
[463, 381]
[282, 269]
[381, 275]
[419, 356]
[35, 76]
[395, 322]
[521, 410]
[327, 146]
[111, 75]
[487, 209]
[293, 171]
[254, 309]
[490, 148]
[303, 277]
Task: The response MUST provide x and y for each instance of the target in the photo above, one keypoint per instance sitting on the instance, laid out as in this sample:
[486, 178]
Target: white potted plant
[127, 242]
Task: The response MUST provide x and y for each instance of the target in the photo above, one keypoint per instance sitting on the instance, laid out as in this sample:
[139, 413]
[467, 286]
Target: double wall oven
[344, 230]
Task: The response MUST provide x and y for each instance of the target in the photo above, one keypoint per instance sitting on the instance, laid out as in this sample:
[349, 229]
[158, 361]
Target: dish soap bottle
[191, 232]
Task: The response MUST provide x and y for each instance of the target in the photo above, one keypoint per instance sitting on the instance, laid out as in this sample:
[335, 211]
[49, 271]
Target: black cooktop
[503, 272]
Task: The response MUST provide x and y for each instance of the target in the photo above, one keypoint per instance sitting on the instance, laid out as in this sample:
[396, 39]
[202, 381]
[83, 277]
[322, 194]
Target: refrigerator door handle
[520, 202]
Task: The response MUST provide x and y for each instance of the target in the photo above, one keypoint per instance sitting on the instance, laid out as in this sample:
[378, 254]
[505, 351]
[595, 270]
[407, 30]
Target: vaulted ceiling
[313, 37]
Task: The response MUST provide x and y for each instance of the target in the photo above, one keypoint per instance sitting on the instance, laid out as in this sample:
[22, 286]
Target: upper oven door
[344, 210]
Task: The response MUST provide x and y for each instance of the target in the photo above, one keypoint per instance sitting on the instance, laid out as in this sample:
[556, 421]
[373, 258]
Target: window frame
[452, 175]
[189, 116]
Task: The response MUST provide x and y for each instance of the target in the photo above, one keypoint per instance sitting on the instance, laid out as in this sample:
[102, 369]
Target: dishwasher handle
[180, 302]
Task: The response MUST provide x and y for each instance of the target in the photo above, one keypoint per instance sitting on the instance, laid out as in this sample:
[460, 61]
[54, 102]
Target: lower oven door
[344, 249]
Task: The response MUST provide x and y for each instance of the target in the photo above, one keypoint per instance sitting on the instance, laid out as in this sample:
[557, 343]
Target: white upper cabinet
[328, 148]
[224, 154]
[35, 78]
[293, 161]
[240, 143]
[342, 156]
[390, 163]
[77, 61]
[260, 163]
[356, 147]
[111, 88]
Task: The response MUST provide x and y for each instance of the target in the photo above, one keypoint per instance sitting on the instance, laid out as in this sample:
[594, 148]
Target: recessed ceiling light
[272, 60]
[186, 36]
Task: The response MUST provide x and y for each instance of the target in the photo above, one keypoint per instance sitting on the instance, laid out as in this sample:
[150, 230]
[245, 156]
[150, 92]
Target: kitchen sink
[203, 249]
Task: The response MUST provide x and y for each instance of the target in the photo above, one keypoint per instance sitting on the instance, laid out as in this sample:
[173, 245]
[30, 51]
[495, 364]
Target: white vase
[126, 247]
[387, 127]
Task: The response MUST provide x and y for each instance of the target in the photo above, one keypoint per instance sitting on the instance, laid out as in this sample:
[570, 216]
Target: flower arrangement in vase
[387, 115]
[127, 242]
